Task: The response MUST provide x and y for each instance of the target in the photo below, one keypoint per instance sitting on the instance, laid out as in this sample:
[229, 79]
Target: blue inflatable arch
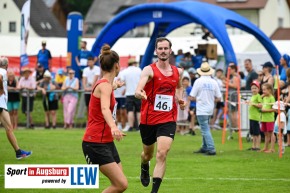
[169, 16]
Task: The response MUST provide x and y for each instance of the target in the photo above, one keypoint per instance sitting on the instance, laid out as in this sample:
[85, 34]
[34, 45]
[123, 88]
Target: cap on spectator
[267, 64]
[282, 106]
[286, 57]
[43, 42]
[60, 71]
[256, 83]
[132, 61]
[47, 74]
[191, 71]
[26, 69]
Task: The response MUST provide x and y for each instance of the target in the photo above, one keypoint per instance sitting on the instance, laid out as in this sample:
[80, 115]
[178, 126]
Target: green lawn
[231, 171]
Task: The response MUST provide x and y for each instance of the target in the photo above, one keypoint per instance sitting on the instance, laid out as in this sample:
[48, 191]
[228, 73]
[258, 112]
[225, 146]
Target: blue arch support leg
[147, 58]
[159, 31]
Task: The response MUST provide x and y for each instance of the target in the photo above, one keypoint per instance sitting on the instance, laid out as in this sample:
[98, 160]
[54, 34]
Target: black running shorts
[254, 128]
[150, 133]
[100, 153]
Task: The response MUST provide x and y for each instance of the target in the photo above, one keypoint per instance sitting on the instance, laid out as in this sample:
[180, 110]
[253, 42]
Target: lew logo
[83, 176]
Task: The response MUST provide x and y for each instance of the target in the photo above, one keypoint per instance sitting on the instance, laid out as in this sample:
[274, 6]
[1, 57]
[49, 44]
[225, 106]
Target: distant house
[42, 22]
[268, 15]
[102, 11]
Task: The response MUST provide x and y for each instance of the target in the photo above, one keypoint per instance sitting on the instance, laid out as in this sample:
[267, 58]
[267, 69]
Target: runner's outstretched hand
[141, 95]
[117, 134]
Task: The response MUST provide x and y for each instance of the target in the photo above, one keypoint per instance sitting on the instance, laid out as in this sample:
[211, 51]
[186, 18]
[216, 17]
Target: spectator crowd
[262, 86]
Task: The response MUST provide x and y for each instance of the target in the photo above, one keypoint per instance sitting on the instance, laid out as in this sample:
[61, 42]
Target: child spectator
[254, 115]
[182, 115]
[282, 125]
[60, 78]
[267, 120]
[192, 104]
[286, 95]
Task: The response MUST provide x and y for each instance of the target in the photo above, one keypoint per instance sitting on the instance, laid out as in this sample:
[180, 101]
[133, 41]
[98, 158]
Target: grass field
[231, 171]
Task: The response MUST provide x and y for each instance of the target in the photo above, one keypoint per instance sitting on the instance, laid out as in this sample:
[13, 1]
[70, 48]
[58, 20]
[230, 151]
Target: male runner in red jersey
[157, 87]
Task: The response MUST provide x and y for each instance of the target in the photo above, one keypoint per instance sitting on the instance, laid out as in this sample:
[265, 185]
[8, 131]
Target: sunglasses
[71, 72]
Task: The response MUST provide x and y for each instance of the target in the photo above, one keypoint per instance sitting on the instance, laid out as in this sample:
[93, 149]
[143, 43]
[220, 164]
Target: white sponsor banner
[25, 25]
[51, 176]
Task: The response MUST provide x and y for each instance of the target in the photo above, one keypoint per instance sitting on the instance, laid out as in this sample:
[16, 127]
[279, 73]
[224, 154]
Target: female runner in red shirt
[98, 141]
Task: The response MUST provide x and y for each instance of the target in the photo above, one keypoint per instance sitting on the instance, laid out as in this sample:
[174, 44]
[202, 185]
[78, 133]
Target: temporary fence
[81, 102]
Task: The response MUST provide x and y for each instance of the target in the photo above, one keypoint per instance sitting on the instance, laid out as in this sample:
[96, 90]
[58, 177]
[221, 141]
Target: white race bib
[163, 102]
[84, 62]
[114, 114]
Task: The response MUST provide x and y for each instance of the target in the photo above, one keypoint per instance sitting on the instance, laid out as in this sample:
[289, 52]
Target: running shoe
[145, 177]
[23, 154]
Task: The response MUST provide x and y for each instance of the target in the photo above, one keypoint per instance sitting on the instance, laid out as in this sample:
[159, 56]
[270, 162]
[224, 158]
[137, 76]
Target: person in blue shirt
[44, 57]
[82, 57]
[192, 105]
[284, 62]
[179, 57]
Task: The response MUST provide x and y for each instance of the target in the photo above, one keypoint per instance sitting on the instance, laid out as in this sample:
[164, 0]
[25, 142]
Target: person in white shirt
[4, 115]
[205, 92]
[131, 76]
[121, 105]
[90, 75]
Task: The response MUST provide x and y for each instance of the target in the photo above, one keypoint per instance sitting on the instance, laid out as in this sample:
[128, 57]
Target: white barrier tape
[249, 103]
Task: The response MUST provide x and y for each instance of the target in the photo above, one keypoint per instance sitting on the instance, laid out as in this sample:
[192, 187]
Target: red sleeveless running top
[160, 106]
[98, 131]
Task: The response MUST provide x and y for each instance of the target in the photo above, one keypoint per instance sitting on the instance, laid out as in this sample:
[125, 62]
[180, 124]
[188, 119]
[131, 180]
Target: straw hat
[132, 61]
[282, 106]
[205, 70]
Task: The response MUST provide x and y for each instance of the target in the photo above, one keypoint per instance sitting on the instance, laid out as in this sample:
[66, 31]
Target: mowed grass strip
[231, 171]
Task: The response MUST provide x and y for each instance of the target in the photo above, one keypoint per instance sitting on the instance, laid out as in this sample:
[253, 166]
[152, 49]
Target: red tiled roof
[281, 34]
[249, 4]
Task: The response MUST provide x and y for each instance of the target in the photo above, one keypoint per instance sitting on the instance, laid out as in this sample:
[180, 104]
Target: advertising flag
[25, 25]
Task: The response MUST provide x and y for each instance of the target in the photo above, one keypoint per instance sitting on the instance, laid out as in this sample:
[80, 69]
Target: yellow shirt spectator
[60, 77]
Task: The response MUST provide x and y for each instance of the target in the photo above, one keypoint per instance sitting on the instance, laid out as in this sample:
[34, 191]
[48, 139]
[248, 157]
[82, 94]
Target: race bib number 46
[163, 102]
